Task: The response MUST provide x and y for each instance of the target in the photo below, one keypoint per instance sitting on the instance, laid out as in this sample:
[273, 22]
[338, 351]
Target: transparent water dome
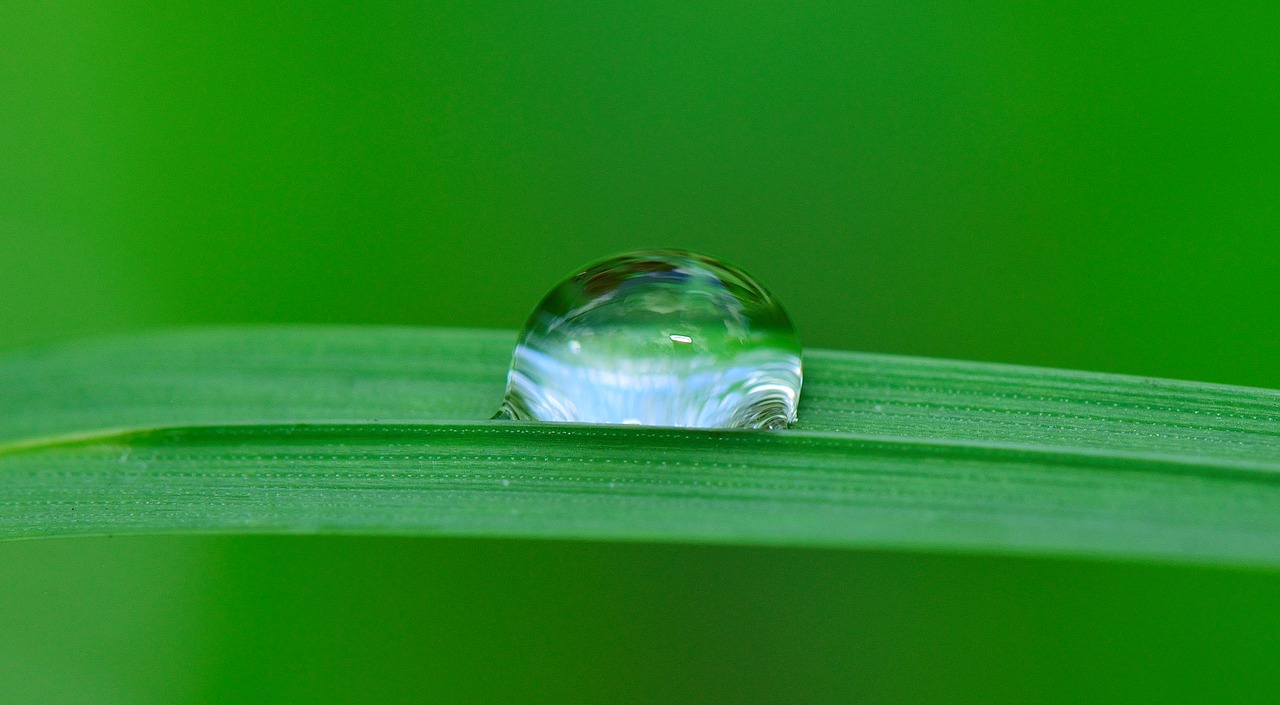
[657, 338]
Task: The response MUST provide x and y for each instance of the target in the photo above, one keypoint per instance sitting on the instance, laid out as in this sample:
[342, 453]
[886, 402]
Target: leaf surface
[367, 430]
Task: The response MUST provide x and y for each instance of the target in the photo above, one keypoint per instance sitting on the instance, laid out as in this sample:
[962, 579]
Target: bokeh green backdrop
[1088, 185]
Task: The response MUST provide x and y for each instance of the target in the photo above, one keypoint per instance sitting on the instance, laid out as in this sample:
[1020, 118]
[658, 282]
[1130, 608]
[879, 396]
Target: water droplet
[659, 338]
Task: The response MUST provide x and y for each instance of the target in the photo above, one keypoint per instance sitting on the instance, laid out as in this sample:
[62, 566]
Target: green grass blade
[382, 431]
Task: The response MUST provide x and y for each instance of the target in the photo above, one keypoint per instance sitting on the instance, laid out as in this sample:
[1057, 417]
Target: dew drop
[658, 338]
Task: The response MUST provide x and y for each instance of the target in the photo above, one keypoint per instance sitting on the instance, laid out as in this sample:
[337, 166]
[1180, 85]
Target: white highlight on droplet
[680, 338]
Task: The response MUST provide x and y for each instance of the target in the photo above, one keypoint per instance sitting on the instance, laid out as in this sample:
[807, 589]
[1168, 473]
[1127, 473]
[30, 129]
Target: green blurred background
[1087, 185]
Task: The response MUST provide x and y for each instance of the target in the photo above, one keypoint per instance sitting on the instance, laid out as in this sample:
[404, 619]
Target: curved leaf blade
[380, 431]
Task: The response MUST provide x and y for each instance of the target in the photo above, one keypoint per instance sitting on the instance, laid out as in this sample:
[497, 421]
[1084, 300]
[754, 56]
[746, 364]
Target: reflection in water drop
[659, 338]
